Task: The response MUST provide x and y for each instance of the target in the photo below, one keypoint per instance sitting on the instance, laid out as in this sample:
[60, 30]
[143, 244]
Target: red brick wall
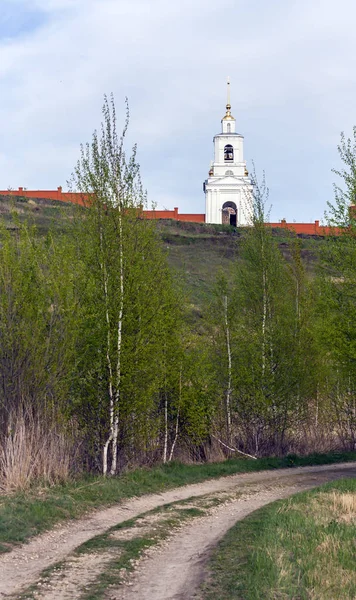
[76, 198]
[161, 214]
[174, 214]
[192, 218]
[47, 195]
[306, 228]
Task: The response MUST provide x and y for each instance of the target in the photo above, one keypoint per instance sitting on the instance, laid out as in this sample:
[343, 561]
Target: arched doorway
[229, 214]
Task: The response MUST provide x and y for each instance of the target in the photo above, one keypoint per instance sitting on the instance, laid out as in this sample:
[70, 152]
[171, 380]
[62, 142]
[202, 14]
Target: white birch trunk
[317, 409]
[165, 447]
[175, 437]
[297, 300]
[116, 407]
[177, 419]
[228, 391]
[108, 356]
[264, 313]
[233, 449]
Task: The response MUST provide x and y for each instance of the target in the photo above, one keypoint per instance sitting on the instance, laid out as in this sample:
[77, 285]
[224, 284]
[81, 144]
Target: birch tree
[221, 317]
[111, 185]
[264, 306]
[131, 306]
[337, 295]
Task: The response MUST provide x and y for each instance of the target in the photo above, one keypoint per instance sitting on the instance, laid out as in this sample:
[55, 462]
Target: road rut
[188, 550]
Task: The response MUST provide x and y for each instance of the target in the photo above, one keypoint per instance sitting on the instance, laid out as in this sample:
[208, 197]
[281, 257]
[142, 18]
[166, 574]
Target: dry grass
[32, 451]
[345, 505]
[329, 577]
[298, 549]
[326, 507]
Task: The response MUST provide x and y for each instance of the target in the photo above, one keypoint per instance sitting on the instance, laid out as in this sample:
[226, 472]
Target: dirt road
[174, 570]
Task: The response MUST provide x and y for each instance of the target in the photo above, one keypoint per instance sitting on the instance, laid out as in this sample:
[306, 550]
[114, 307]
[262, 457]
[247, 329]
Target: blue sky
[17, 20]
[293, 80]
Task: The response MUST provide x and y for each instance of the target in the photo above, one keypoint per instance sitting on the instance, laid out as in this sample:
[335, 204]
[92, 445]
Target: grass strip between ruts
[123, 552]
[26, 514]
[300, 548]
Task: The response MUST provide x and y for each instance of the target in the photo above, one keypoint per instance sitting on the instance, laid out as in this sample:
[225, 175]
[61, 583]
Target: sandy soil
[69, 581]
[174, 570]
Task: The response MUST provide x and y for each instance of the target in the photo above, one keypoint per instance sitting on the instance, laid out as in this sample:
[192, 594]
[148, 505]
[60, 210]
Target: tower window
[229, 127]
[228, 152]
[229, 173]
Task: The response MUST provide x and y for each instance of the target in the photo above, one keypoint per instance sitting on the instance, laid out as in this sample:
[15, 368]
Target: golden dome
[228, 116]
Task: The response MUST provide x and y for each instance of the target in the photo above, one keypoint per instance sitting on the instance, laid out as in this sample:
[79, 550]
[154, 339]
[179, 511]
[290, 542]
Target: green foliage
[242, 349]
[339, 212]
[131, 328]
[336, 299]
[37, 322]
[265, 333]
[267, 317]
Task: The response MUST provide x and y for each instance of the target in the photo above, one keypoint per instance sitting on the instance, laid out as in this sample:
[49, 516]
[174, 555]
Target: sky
[293, 89]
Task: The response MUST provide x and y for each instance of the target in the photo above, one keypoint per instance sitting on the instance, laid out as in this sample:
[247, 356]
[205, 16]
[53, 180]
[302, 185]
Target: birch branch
[233, 449]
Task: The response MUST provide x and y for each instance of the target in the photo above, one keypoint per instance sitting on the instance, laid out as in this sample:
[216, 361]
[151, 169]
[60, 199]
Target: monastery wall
[174, 214]
[303, 228]
[57, 194]
[77, 198]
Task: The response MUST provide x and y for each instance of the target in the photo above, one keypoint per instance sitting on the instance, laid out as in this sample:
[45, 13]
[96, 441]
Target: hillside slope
[198, 251]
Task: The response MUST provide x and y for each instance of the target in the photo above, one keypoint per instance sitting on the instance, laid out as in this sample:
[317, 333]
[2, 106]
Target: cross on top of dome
[228, 116]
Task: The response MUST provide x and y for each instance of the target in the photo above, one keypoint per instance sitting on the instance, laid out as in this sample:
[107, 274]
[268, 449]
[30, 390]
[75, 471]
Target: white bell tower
[228, 189]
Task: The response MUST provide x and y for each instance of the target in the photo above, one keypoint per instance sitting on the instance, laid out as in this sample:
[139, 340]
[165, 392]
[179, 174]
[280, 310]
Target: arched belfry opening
[228, 153]
[229, 214]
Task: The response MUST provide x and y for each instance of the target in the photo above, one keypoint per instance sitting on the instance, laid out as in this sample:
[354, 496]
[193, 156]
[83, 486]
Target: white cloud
[293, 84]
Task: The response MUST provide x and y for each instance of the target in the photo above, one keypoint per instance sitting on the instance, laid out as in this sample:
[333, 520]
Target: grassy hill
[44, 214]
[200, 251]
[197, 250]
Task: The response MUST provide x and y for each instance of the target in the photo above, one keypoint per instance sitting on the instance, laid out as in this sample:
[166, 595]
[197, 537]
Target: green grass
[302, 548]
[23, 515]
[44, 214]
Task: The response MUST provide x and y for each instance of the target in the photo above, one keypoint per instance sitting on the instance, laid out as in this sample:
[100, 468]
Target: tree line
[97, 352]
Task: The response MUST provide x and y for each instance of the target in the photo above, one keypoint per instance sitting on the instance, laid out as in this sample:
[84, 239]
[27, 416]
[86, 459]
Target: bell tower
[228, 189]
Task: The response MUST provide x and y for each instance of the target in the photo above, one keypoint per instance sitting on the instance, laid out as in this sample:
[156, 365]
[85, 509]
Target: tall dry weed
[32, 451]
